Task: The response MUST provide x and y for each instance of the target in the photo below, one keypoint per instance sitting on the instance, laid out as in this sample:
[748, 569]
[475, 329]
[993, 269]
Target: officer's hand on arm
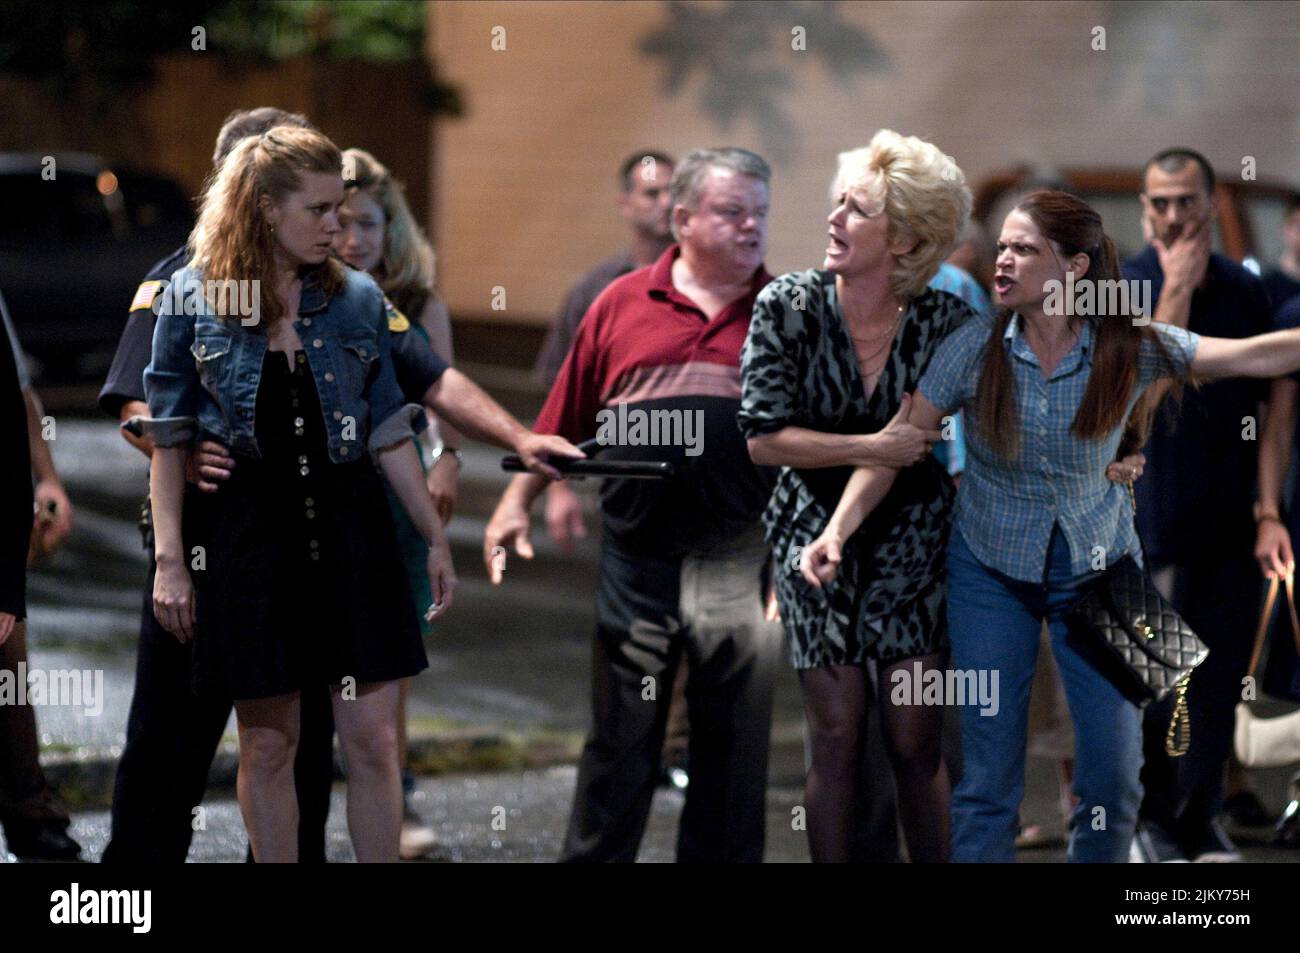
[564, 520]
[135, 408]
[208, 466]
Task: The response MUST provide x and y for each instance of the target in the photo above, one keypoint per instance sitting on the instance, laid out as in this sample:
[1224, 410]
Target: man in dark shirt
[1283, 282]
[681, 558]
[1194, 507]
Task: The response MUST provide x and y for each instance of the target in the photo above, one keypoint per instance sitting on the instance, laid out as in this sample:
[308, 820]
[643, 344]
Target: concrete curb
[84, 778]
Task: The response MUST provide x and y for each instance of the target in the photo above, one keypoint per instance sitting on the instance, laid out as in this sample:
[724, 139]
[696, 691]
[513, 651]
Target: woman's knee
[836, 738]
[266, 750]
[370, 745]
[916, 754]
[373, 753]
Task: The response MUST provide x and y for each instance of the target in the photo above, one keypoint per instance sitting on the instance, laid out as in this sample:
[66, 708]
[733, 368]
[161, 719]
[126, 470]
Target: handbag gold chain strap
[1178, 738]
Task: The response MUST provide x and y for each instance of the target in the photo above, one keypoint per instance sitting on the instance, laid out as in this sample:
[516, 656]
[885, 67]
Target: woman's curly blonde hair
[925, 198]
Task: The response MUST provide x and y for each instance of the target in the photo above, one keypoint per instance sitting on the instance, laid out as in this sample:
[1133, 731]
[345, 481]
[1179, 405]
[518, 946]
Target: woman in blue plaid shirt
[1047, 386]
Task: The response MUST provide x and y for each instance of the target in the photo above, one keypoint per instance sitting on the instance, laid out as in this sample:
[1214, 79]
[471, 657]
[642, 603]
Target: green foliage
[105, 47]
[373, 31]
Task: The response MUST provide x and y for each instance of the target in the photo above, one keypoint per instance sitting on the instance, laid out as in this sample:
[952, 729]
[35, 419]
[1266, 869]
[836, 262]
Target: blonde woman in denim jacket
[269, 347]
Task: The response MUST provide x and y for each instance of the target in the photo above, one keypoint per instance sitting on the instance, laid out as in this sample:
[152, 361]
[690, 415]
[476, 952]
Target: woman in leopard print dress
[830, 359]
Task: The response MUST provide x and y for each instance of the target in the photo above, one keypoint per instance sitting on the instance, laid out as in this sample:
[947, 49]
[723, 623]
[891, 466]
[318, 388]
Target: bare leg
[405, 684]
[912, 736]
[368, 734]
[835, 699]
[268, 741]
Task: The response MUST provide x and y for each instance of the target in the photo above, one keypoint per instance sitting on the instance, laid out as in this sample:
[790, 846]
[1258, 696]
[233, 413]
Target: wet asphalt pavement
[515, 657]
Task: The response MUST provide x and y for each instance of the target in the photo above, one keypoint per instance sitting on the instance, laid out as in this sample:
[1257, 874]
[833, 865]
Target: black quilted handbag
[1139, 642]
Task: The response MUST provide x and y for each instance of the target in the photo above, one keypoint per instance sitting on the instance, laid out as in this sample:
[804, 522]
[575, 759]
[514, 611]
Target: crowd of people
[896, 477]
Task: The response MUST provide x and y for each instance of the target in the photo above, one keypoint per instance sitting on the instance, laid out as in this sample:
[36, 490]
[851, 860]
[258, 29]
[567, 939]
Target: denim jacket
[204, 375]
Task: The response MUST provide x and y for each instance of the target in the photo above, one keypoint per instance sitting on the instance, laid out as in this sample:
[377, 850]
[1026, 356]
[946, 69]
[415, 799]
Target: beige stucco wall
[524, 194]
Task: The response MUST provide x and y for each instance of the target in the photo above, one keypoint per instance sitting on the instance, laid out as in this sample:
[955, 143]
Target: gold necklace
[884, 339]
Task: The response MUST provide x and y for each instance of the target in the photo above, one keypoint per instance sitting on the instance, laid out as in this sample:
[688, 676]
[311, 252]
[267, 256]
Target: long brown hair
[233, 239]
[1074, 227]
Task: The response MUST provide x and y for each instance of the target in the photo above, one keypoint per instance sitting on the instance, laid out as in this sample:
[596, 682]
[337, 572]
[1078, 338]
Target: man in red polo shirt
[654, 374]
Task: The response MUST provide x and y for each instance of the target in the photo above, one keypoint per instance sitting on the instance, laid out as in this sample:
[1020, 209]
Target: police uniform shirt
[417, 365]
[125, 381]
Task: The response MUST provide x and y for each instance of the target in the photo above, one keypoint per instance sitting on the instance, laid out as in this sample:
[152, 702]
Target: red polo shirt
[656, 380]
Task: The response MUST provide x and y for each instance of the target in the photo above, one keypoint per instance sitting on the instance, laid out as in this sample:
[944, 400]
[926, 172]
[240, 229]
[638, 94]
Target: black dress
[303, 582]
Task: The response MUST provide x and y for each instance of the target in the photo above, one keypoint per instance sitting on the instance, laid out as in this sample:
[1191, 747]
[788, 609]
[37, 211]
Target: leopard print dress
[798, 368]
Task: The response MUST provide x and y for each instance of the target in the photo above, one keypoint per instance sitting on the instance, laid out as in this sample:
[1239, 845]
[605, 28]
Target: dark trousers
[26, 799]
[651, 611]
[171, 737]
[1219, 598]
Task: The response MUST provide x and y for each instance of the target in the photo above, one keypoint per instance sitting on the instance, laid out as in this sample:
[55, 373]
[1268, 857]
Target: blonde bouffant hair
[407, 265]
[233, 238]
[925, 198]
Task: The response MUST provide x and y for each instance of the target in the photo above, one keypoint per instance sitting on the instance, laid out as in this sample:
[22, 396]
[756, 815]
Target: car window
[28, 213]
[155, 204]
[67, 207]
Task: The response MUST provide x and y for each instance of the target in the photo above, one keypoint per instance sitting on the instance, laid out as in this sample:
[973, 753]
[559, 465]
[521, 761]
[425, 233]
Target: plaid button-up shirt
[1006, 509]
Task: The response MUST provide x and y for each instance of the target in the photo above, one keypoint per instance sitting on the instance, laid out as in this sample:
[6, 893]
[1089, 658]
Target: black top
[126, 375]
[15, 487]
[1200, 473]
[1285, 318]
[416, 363]
[1280, 286]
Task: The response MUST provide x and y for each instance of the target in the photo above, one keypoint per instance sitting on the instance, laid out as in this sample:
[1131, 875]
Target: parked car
[1248, 228]
[76, 235]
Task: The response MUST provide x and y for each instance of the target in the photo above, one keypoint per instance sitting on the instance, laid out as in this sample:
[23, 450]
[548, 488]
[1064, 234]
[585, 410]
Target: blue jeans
[994, 622]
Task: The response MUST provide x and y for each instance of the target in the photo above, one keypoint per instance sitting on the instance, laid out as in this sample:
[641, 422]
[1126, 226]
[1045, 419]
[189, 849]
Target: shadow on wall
[734, 47]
